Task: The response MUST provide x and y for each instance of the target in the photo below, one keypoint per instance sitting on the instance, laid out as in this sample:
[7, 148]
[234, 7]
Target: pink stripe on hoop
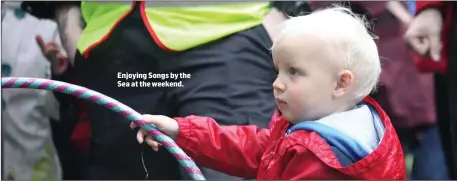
[61, 88]
[183, 157]
[139, 122]
[168, 144]
[95, 98]
[155, 133]
[10, 82]
[110, 105]
[78, 92]
[26, 83]
[44, 85]
[125, 113]
[192, 170]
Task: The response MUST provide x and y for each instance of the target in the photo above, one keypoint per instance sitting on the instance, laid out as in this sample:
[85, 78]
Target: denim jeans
[429, 161]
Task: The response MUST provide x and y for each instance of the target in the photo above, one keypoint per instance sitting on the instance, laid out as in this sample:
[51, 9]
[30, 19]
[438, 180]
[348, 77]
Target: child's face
[307, 79]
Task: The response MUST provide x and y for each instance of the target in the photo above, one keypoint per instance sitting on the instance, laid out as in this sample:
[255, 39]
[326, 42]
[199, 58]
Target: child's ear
[344, 83]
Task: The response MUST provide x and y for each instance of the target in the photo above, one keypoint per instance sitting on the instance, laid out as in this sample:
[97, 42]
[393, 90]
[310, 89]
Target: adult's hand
[424, 33]
[273, 23]
[59, 63]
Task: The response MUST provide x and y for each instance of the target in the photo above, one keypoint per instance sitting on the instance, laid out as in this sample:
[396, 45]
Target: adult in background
[223, 46]
[432, 35]
[404, 93]
[408, 95]
[72, 136]
[28, 149]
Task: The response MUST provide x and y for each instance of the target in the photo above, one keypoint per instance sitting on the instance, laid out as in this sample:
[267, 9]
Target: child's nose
[278, 85]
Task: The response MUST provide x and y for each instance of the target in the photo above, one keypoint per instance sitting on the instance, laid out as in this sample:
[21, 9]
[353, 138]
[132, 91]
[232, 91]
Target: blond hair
[349, 34]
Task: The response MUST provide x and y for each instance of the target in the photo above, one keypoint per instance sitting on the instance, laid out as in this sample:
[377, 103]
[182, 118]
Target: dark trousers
[72, 159]
[445, 123]
[429, 160]
[446, 101]
[231, 81]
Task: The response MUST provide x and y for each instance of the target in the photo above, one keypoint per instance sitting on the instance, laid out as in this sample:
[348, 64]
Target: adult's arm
[399, 11]
[70, 26]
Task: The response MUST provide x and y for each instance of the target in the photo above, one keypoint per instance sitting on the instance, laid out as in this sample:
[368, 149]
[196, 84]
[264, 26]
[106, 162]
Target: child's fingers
[154, 144]
[133, 125]
[140, 136]
[143, 136]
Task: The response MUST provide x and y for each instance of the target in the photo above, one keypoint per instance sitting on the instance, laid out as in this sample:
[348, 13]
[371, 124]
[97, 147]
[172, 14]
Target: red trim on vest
[86, 52]
[149, 27]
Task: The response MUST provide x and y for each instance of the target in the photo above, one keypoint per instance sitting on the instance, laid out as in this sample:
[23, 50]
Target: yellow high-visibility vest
[175, 26]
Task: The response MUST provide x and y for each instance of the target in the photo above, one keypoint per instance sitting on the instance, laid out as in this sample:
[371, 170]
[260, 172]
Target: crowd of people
[278, 90]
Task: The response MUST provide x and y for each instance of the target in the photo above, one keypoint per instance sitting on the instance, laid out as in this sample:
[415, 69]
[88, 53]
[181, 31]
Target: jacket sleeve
[421, 5]
[305, 165]
[235, 150]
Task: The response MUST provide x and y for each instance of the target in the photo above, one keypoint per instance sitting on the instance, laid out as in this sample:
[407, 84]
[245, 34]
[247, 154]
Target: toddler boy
[329, 129]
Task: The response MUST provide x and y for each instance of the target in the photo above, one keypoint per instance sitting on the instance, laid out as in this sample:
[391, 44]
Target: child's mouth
[279, 101]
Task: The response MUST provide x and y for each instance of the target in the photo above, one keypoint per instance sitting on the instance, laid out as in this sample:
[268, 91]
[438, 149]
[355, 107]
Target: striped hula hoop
[84, 93]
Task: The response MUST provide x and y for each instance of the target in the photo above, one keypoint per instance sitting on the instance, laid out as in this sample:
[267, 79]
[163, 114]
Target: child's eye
[293, 71]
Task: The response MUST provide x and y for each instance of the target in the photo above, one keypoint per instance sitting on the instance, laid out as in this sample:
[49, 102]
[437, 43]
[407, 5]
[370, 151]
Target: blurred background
[48, 136]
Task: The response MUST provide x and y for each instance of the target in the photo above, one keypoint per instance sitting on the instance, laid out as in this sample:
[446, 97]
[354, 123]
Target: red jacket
[249, 152]
[427, 64]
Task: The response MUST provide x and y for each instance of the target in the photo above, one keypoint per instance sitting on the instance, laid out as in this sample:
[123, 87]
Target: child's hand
[163, 123]
[59, 63]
